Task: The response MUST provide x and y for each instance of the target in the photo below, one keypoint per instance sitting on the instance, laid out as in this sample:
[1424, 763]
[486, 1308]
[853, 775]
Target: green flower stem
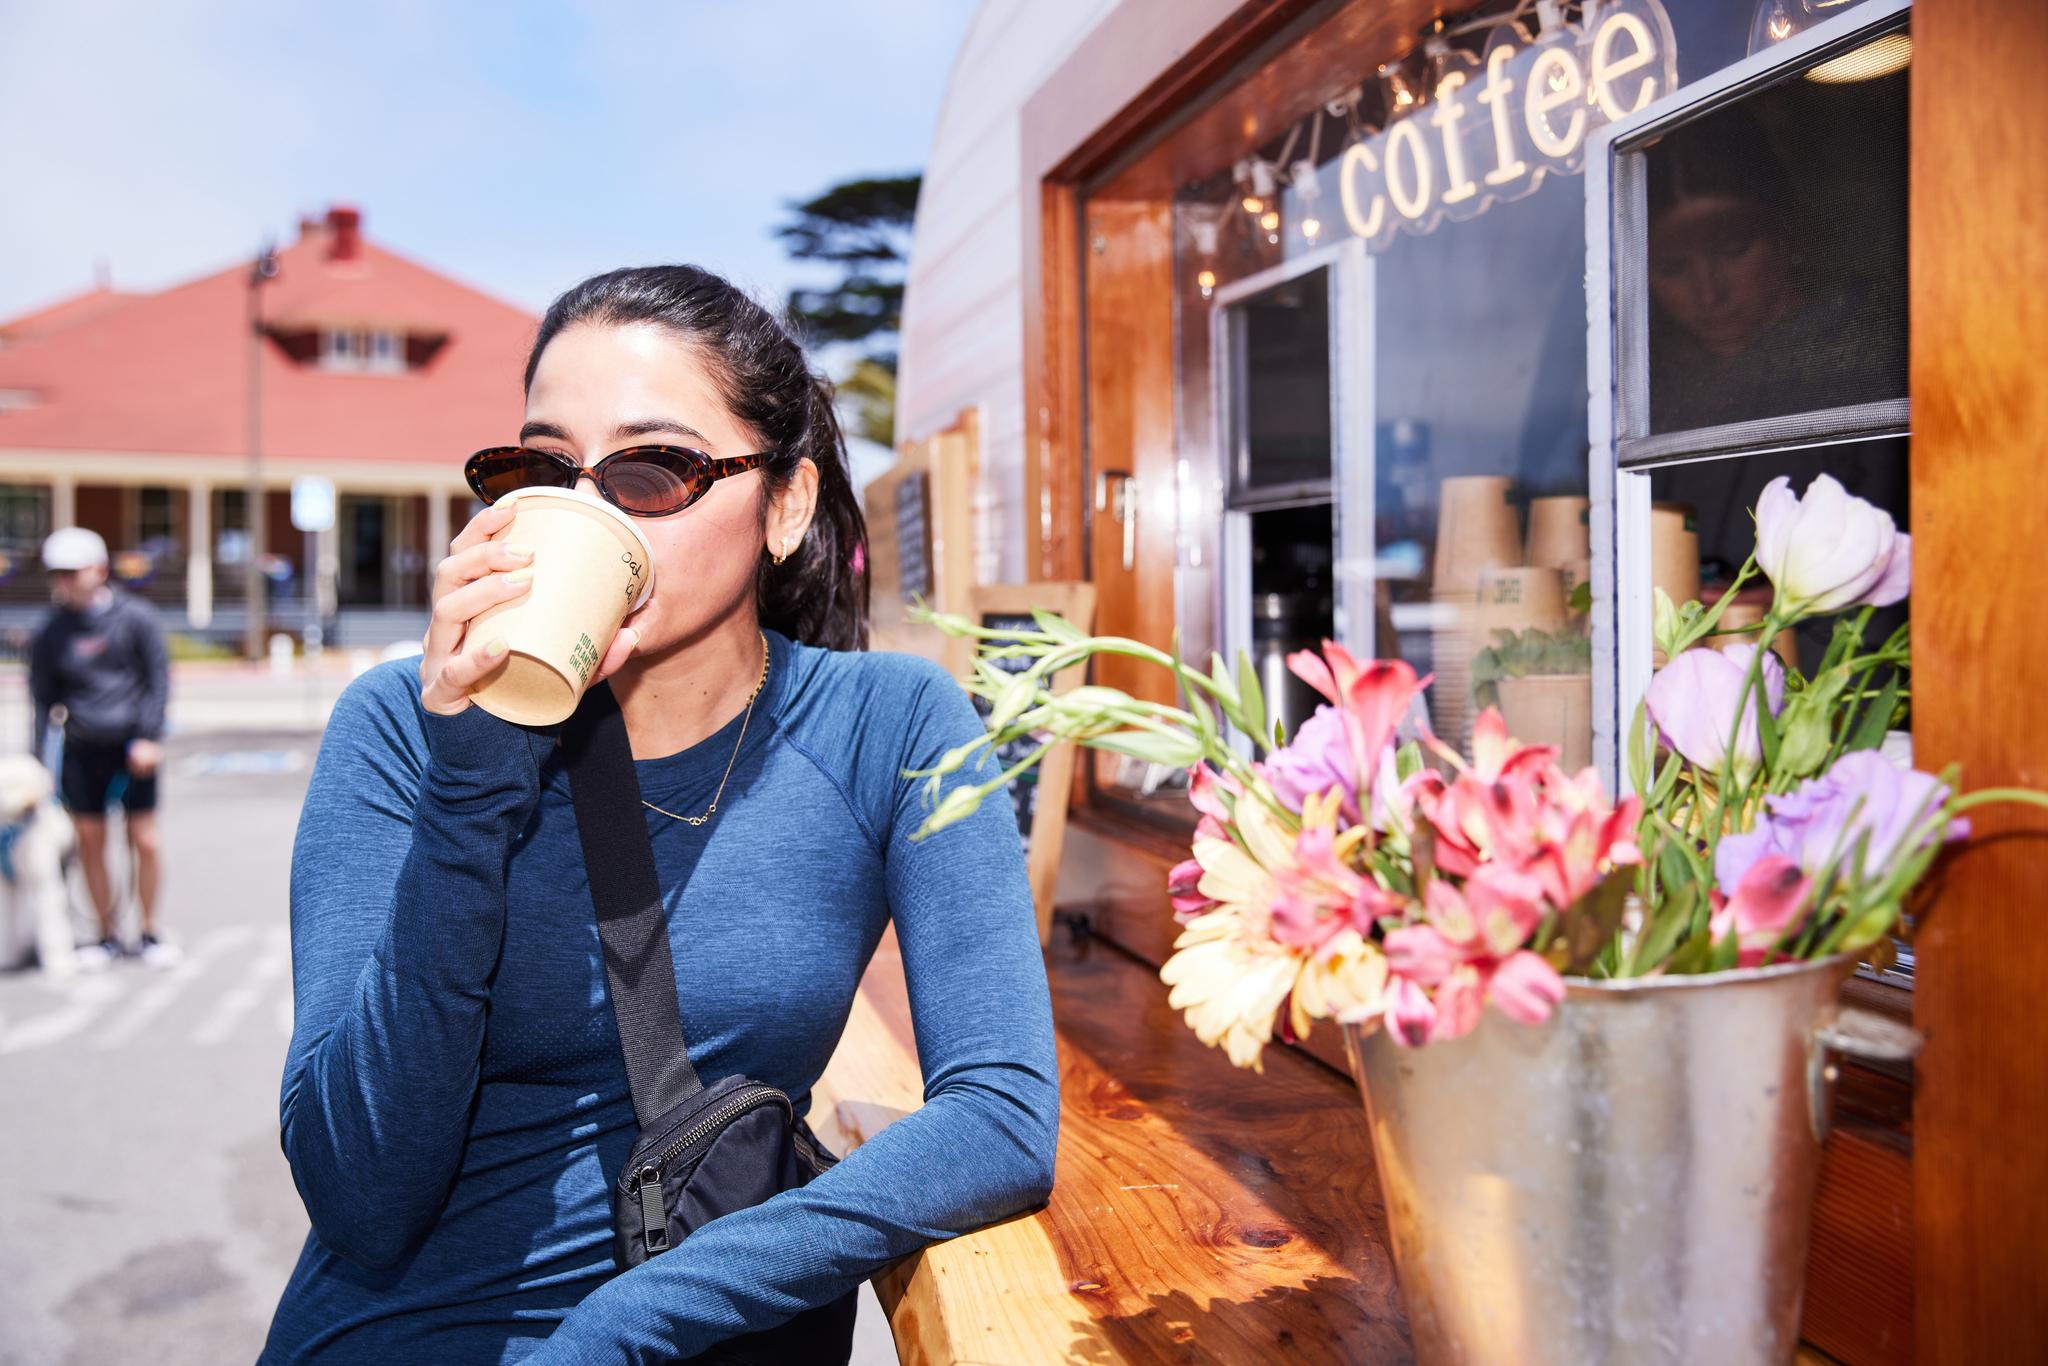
[1984, 796]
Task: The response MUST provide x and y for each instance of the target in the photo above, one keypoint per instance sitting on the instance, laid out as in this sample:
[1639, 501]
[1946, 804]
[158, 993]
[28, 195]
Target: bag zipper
[647, 1180]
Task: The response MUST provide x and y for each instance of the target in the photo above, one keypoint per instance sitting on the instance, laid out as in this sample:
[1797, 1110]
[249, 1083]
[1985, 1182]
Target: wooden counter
[1200, 1213]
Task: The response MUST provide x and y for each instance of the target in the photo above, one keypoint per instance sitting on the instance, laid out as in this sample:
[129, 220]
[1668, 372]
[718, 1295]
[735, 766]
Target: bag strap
[626, 892]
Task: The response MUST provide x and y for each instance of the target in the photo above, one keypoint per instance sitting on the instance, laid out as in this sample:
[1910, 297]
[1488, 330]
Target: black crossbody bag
[703, 1151]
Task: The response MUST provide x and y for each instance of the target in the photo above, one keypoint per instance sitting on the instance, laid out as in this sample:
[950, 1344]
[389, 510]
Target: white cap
[73, 547]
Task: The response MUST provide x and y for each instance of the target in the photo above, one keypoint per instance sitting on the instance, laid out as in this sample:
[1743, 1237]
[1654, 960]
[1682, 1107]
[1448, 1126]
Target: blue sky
[516, 146]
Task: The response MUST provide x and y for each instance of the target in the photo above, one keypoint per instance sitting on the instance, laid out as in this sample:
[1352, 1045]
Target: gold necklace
[712, 809]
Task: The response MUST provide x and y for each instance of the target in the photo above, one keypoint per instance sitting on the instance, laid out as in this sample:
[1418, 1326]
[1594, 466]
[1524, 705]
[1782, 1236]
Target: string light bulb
[1302, 175]
[1777, 20]
[1205, 280]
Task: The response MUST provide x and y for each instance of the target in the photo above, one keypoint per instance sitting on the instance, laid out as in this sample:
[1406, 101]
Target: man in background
[100, 656]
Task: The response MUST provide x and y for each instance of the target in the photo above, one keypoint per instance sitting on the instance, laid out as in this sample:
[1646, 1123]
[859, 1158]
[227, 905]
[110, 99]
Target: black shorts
[94, 776]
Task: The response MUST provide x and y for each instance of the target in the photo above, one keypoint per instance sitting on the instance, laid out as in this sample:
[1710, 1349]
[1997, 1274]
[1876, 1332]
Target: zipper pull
[653, 1218]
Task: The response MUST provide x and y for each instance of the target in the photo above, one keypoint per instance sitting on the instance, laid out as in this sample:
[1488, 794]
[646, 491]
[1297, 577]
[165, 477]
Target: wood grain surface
[1979, 248]
[1200, 1215]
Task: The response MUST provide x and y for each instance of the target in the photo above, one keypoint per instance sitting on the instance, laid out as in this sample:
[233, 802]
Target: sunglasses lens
[653, 483]
[495, 473]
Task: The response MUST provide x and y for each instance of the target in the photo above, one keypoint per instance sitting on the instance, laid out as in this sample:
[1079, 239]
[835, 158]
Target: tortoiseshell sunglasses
[643, 481]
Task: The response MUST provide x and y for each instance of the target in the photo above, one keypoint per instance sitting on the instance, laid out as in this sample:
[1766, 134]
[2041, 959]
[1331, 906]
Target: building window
[372, 350]
[24, 517]
[156, 520]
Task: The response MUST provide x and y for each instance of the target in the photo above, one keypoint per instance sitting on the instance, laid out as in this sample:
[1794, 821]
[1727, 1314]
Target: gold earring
[785, 551]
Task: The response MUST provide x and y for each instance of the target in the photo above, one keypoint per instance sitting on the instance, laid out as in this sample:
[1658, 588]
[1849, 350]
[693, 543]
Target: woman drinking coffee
[469, 1099]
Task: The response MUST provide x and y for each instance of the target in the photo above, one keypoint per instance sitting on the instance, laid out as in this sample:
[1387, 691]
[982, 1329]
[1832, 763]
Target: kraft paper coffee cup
[1675, 552]
[591, 566]
[1558, 533]
[1477, 529]
[1519, 599]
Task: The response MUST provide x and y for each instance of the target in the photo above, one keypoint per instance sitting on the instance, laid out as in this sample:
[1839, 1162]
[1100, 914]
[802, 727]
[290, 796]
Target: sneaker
[99, 957]
[156, 953]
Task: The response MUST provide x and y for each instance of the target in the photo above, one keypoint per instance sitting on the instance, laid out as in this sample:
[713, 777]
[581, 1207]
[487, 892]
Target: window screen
[1763, 261]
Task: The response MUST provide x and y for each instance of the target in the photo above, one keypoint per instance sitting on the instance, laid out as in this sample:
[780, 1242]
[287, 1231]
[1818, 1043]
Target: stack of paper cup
[1558, 534]
[591, 566]
[1519, 599]
[1675, 552]
[1476, 530]
[1552, 709]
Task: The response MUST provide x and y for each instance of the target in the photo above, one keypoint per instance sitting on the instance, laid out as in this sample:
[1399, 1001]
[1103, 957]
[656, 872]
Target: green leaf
[1695, 954]
[1667, 926]
[1154, 747]
[1581, 600]
[1590, 925]
[1870, 731]
[1252, 698]
[1408, 760]
[1057, 626]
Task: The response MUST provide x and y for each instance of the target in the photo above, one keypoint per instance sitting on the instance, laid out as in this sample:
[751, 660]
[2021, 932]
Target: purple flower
[1318, 758]
[1314, 760]
[1829, 550]
[1692, 703]
[1821, 820]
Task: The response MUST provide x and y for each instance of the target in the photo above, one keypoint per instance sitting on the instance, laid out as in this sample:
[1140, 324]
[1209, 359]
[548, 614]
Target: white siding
[963, 311]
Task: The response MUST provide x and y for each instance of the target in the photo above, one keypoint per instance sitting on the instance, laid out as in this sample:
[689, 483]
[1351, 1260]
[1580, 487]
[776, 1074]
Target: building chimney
[344, 233]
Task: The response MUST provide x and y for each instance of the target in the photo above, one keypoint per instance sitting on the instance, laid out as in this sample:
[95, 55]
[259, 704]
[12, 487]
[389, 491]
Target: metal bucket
[1630, 1182]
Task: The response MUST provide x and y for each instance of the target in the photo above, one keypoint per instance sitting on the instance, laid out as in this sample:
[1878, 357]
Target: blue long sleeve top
[455, 1103]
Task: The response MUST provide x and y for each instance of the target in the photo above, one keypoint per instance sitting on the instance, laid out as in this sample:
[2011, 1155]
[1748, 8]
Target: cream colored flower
[1346, 981]
[1230, 980]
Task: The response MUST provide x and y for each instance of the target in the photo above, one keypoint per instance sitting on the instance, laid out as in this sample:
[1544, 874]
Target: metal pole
[252, 569]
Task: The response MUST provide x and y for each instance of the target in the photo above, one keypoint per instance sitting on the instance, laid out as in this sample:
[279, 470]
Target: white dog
[35, 839]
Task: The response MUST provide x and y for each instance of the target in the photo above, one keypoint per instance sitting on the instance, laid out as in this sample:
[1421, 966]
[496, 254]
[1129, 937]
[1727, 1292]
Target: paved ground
[145, 1209]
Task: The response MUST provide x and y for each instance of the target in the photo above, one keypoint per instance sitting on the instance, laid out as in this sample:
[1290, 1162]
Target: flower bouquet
[1623, 1001]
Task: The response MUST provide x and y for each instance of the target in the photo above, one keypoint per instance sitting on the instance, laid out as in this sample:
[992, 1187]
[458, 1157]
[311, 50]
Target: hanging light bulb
[1270, 221]
[1205, 280]
[1777, 20]
[1442, 59]
[1403, 92]
[1308, 189]
[1241, 174]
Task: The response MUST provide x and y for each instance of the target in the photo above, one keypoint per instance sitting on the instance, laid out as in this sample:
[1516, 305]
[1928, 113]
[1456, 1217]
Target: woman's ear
[789, 512]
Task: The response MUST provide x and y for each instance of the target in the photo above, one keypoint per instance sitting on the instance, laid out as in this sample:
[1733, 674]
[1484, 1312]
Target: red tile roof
[168, 372]
[63, 313]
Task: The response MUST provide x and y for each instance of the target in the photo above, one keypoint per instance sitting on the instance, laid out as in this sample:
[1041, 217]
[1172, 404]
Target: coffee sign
[1492, 133]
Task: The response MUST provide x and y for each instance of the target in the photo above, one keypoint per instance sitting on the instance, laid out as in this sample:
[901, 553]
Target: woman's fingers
[448, 685]
[454, 609]
[466, 566]
[482, 527]
[622, 647]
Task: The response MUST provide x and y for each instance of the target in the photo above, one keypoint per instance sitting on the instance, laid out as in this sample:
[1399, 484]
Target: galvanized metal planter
[1629, 1183]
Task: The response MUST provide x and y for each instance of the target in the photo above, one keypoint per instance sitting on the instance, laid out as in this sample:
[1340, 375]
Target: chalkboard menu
[914, 536]
[1023, 787]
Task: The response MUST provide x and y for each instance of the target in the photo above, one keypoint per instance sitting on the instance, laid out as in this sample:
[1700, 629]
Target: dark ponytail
[820, 594]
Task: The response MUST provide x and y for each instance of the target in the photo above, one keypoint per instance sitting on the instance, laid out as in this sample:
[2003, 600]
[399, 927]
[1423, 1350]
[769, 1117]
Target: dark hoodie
[106, 666]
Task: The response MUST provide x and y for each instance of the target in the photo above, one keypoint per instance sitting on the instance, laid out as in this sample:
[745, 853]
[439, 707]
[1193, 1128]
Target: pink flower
[1470, 952]
[1318, 896]
[1411, 1014]
[1370, 699]
[1525, 987]
[1182, 887]
[1692, 702]
[1828, 550]
[1767, 901]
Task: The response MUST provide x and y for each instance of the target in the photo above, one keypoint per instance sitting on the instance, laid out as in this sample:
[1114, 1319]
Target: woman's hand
[479, 573]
